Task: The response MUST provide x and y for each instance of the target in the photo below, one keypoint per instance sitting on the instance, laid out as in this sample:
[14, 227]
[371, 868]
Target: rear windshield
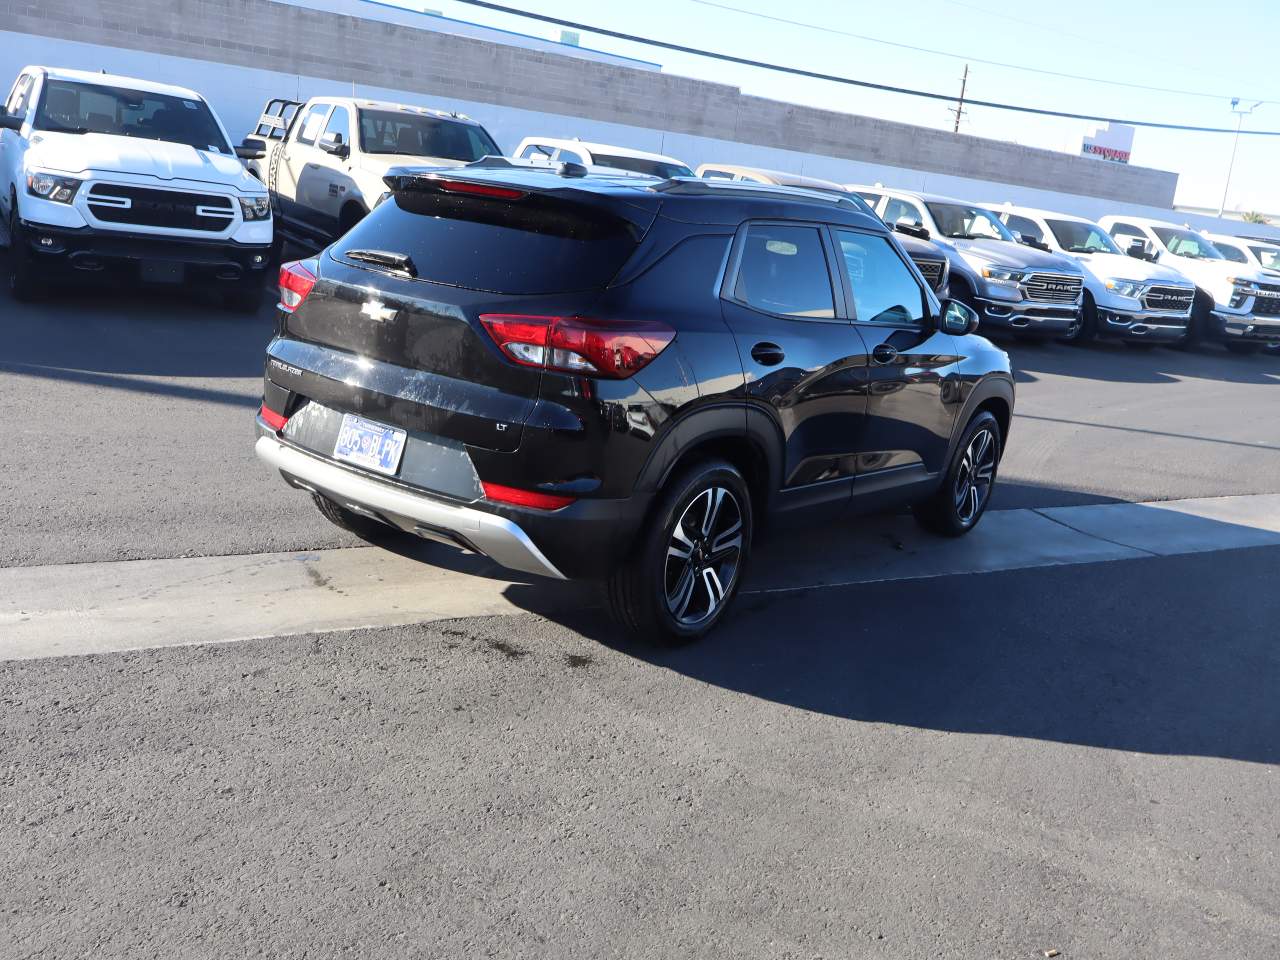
[655, 168]
[71, 107]
[415, 135]
[530, 246]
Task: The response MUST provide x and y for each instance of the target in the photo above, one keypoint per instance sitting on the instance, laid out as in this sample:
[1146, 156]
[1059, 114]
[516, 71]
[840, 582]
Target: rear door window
[1024, 226]
[895, 210]
[783, 271]
[533, 245]
[312, 123]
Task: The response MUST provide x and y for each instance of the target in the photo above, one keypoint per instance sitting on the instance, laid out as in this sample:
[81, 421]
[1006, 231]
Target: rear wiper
[385, 258]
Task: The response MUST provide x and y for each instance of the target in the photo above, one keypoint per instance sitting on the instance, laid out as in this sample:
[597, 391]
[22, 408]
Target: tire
[351, 215]
[1197, 326]
[1087, 328]
[24, 286]
[673, 588]
[366, 528]
[965, 493]
[1241, 348]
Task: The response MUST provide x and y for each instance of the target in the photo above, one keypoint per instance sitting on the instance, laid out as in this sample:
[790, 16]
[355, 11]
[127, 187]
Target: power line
[847, 81]
[964, 56]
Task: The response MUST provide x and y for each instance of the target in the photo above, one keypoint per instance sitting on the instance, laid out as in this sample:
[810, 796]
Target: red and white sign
[1114, 142]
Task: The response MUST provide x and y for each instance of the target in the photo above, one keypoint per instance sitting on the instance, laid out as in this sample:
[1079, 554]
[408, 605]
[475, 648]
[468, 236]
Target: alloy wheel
[976, 476]
[703, 556]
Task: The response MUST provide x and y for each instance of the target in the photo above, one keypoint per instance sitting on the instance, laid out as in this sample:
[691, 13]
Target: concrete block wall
[264, 36]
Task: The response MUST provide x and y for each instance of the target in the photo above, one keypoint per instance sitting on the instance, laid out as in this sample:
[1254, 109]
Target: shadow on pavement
[1163, 655]
[1111, 360]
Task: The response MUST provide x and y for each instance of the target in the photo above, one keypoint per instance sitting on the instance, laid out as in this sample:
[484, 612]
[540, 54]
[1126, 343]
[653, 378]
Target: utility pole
[1235, 144]
[959, 108]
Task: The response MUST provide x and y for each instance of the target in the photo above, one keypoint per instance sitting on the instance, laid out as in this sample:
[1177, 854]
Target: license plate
[373, 446]
[162, 271]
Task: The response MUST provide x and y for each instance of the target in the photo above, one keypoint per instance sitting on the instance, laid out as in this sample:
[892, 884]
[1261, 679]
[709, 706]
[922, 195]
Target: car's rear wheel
[966, 490]
[688, 563]
[24, 285]
[366, 528]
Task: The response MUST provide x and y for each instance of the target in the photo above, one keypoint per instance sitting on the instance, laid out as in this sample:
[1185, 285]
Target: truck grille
[1174, 299]
[1264, 305]
[147, 207]
[1053, 287]
[931, 269]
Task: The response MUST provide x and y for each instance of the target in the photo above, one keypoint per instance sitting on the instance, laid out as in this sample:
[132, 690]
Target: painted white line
[102, 607]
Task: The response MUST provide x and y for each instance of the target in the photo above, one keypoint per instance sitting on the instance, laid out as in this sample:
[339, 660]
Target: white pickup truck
[1235, 303]
[323, 161]
[100, 171]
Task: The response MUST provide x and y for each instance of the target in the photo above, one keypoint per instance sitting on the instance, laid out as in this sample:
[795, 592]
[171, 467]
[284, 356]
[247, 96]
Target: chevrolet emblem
[377, 310]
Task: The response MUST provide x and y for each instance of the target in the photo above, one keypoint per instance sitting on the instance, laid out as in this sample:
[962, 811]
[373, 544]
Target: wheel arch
[993, 394]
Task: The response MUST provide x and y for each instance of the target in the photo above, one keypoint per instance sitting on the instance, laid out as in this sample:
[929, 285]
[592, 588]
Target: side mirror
[912, 228]
[251, 149]
[9, 121]
[958, 319]
[331, 143]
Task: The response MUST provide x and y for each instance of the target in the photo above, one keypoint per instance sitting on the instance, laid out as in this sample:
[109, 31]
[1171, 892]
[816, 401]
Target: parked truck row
[99, 171]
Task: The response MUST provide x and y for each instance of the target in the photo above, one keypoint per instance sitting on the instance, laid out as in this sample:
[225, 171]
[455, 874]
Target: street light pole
[1235, 145]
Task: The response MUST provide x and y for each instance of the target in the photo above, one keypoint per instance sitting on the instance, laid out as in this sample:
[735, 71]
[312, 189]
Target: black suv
[586, 376]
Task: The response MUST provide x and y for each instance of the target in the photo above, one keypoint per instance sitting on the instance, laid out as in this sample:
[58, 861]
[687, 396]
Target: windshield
[654, 168]
[1076, 237]
[68, 106]
[1184, 243]
[416, 135]
[1269, 257]
[960, 222]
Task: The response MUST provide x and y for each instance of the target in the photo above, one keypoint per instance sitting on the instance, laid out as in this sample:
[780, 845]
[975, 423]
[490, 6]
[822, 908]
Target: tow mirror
[912, 228]
[251, 149]
[10, 121]
[958, 319]
[331, 143]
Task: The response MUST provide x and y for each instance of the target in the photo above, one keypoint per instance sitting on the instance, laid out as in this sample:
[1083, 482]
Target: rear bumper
[1049, 320]
[497, 537]
[91, 249]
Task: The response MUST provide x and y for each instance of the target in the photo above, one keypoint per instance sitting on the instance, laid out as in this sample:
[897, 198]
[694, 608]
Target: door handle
[767, 354]
[884, 353]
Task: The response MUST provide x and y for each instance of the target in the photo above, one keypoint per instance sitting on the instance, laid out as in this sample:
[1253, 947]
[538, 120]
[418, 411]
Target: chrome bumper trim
[496, 537]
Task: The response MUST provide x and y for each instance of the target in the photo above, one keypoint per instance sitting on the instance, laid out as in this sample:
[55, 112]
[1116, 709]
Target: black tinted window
[97, 108]
[884, 290]
[528, 246]
[418, 135]
[784, 271]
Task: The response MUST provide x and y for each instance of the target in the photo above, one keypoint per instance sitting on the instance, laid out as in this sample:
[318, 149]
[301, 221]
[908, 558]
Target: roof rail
[697, 187]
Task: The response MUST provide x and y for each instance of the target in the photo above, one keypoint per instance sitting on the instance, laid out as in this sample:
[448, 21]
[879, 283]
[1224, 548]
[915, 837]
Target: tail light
[612, 350]
[480, 189]
[275, 421]
[296, 280]
[524, 498]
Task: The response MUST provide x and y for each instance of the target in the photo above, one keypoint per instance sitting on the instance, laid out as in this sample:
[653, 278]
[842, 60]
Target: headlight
[255, 208]
[49, 186]
[1125, 288]
[1006, 276]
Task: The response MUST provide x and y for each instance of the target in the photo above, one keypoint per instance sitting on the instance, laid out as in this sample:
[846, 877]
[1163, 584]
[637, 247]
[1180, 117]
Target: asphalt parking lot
[990, 759]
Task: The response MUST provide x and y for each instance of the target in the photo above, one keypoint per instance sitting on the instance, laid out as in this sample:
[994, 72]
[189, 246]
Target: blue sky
[1221, 49]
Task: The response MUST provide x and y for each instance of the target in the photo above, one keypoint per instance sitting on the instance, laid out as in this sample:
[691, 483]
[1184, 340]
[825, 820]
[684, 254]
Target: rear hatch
[393, 321]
